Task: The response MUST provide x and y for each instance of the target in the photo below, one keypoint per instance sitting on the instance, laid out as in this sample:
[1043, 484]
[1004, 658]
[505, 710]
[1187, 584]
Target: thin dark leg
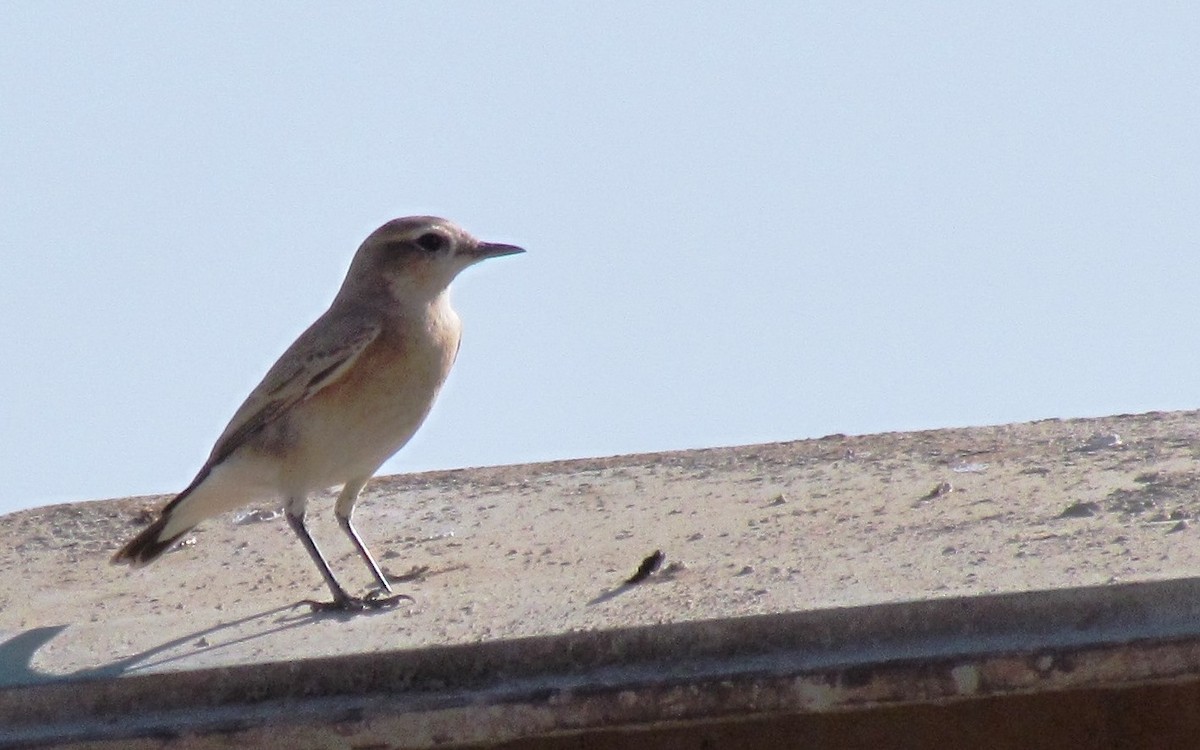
[363, 552]
[341, 600]
[296, 521]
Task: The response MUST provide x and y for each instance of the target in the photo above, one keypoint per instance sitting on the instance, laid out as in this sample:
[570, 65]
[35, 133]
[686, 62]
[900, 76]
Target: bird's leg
[296, 521]
[343, 509]
[341, 600]
[366, 555]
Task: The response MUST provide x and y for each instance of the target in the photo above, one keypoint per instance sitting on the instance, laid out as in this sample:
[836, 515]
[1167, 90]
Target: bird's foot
[369, 603]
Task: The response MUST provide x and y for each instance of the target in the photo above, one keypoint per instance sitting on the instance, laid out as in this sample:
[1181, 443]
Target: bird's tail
[215, 490]
[176, 519]
[154, 540]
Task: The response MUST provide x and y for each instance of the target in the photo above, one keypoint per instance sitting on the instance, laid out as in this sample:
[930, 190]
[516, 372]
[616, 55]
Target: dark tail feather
[148, 545]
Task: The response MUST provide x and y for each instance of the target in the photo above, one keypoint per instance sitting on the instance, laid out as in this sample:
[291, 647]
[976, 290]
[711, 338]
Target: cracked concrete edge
[813, 661]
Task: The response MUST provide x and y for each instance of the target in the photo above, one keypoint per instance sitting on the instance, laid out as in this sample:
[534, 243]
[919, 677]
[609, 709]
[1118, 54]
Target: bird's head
[417, 257]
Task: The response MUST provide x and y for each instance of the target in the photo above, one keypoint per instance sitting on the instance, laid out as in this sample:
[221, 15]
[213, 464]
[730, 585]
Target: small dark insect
[1080, 510]
[648, 566]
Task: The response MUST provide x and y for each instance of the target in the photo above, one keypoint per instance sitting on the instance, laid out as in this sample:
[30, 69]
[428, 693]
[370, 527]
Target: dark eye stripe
[431, 241]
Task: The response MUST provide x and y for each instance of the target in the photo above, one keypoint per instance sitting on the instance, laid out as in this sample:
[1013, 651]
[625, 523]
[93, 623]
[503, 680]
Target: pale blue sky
[745, 222]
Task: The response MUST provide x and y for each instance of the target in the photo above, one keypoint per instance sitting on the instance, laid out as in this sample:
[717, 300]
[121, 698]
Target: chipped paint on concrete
[966, 679]
[815, 694]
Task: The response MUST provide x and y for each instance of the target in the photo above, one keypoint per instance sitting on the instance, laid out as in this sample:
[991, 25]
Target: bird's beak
[493, 250]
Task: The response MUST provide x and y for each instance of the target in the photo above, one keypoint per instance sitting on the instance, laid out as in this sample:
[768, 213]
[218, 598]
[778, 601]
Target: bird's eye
[431, 241]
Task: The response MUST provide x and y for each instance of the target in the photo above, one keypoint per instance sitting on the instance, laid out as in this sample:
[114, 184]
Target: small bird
[342, 399]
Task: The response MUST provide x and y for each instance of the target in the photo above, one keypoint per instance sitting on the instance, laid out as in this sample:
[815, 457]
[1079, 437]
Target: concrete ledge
[930, 588]
[731, 669]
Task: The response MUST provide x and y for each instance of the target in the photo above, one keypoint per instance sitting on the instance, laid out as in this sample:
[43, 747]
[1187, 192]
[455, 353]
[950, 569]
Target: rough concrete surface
[542, 549]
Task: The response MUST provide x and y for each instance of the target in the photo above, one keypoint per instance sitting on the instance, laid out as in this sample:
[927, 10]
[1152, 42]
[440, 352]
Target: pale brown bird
[342, 399]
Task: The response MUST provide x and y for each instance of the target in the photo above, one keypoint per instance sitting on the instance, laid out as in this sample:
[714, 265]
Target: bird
[341, 400]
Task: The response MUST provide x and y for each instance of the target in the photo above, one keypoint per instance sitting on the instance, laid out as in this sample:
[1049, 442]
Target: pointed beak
[494, 250]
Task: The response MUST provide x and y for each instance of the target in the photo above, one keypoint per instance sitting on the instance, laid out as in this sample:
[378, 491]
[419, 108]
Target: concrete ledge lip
[813, 661]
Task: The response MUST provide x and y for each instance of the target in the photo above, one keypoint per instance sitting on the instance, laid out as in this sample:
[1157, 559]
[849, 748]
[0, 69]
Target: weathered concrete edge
[813, 661]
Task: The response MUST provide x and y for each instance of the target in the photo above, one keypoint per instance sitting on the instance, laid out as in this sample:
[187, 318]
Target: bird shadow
[17, 653]
[612, 593]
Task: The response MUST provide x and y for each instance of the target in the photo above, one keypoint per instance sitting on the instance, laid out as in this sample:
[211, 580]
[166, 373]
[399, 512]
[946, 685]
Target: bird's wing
[319, 357]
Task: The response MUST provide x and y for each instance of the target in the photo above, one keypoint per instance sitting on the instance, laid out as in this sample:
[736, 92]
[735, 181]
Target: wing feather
[318, 358]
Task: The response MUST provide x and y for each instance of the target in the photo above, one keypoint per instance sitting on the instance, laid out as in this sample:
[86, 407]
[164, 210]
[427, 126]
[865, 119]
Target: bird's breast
[350, 427]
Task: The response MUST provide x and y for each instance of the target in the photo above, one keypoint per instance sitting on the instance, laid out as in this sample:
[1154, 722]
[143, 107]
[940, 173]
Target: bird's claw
[372, 601]
[377, 599]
